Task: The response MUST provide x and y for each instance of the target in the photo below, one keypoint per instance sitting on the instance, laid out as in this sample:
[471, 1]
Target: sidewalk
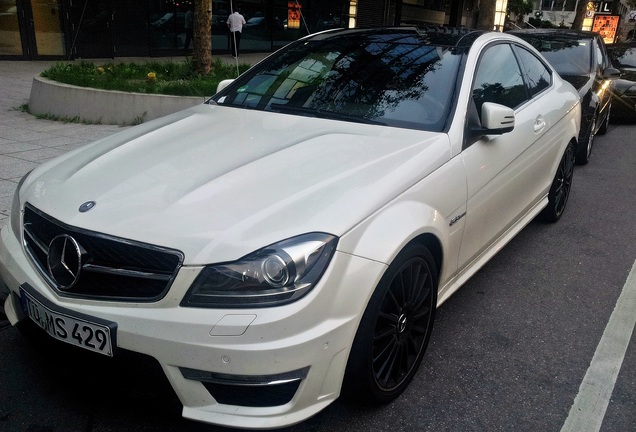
[26, 142]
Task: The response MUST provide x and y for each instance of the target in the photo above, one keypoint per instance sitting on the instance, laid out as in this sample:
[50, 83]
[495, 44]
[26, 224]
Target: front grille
[112, 268]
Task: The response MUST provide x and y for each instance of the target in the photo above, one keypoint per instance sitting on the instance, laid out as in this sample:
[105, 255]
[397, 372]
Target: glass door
[168, 31]
[31, 29]
[47, 25]
[130, 28]
[90, 28]
[259, 27]
[10, 36]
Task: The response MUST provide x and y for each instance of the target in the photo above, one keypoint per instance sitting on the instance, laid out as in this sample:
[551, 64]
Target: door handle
[539, 124]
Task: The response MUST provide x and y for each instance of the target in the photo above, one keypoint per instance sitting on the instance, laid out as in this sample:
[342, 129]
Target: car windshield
[568, 57]
[393, 79]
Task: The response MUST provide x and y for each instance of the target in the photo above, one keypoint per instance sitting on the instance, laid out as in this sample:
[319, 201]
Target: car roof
[552, 33]
[430, 35]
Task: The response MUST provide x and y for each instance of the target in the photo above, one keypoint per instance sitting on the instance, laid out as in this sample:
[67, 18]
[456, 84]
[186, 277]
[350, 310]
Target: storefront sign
[293, 14]
[606, 26]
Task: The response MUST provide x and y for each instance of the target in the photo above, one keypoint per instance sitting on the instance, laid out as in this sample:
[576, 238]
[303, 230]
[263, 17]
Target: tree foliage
[520, 8]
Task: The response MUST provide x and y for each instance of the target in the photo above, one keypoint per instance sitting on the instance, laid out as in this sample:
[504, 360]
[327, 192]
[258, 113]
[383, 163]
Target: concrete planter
[102, 106]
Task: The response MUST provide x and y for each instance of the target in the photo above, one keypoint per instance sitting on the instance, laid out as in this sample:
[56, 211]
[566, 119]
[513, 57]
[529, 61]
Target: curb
[102, 106]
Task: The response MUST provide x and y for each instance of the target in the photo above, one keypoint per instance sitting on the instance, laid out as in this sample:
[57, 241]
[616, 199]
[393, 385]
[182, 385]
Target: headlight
[275, 275]
[16, 209]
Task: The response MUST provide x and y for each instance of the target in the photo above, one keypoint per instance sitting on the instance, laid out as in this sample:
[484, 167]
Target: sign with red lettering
[293, 14]
[606, 26]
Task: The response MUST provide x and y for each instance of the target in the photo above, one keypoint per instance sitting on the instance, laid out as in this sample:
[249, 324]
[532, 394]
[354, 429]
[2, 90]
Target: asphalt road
[509, 351]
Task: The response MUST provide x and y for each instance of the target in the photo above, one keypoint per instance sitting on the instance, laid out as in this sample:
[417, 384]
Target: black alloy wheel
[584, 149]
[561, 186]
[603, 129]
[395, 328]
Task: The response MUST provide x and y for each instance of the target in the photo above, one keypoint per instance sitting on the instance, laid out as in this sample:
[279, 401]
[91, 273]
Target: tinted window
[568, 57]
[392, 79]
[498, 78]
[538, 75]
[625, 57]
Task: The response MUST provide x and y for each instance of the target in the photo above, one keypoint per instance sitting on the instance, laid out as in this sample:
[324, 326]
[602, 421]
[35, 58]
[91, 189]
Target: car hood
[628, 74]
[218, 182]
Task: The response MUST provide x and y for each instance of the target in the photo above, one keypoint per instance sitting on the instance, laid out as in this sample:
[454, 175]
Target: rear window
[568, 57]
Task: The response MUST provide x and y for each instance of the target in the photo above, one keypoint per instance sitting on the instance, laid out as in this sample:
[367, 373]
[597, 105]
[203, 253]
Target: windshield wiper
[320, 113]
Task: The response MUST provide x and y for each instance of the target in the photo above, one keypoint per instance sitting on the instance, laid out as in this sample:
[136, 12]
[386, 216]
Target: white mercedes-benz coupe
[291, 238]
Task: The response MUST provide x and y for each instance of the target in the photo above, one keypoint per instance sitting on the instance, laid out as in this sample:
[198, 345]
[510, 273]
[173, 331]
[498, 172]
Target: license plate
[77, 329]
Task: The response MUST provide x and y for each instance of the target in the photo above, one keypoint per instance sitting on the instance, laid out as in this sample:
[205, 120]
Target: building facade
[561, 13]
[76, 29]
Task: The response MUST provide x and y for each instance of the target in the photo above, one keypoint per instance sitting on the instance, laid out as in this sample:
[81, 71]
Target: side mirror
[611, 73]
[495, 120]
[223, 84]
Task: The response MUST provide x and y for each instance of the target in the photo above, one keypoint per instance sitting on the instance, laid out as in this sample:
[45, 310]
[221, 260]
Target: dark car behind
[623, 56]
[581, 58]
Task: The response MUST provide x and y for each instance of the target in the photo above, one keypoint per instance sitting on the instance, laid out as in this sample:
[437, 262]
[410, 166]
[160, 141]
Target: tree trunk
[202, 37]
[579, 16]
[486, 18]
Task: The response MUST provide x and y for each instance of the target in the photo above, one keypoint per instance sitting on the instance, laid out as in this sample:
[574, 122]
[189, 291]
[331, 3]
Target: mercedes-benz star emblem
[64, 261]
[87, 206]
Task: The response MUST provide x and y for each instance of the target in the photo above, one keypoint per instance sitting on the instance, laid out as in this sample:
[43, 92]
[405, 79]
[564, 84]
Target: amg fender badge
[456, 219]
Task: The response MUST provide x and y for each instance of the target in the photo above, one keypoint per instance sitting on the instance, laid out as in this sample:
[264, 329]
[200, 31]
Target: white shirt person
[235, 23]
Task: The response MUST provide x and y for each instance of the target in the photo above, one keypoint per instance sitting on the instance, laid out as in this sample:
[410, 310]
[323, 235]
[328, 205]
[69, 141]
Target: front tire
[395, 329]
[603, 129]
[584, 148]
[561, 186]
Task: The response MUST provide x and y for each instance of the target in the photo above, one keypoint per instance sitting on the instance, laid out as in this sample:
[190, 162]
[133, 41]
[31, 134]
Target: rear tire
[395, 329]
[561, 186]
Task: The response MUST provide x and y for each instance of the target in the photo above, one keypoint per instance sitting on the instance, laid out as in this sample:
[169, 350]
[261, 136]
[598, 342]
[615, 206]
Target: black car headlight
[275, 275]
[16, 208]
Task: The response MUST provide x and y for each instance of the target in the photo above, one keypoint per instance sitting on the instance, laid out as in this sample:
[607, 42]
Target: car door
[507, 174]
[601, 83]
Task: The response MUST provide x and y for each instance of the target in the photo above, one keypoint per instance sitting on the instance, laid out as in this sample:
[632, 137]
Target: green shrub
[172, 78]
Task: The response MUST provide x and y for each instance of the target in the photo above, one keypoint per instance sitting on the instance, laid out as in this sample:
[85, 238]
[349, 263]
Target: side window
[600, 55]
[538, 75]
[498, 79]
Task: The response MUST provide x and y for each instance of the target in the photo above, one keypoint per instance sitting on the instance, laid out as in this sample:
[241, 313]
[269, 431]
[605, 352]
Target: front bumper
[252, 368]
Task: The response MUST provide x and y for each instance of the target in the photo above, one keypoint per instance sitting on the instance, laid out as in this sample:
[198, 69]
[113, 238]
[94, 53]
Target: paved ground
[26, 141]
